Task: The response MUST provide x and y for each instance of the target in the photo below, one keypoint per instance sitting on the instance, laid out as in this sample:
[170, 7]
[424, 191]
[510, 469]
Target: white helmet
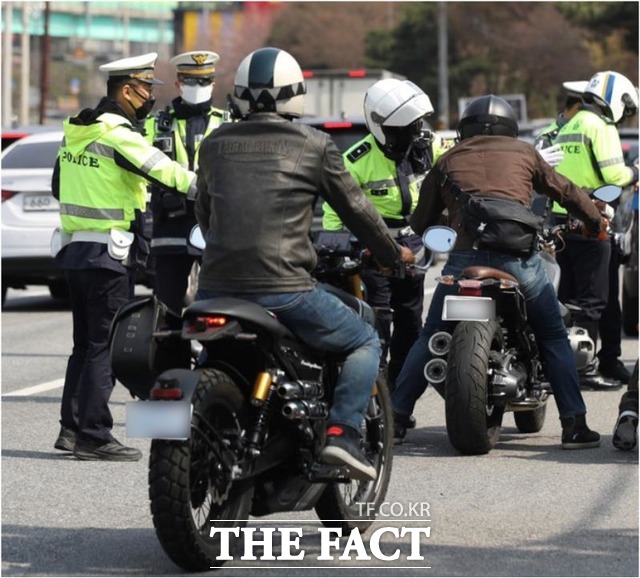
[270, 80]
[613, 92]
[393, 111]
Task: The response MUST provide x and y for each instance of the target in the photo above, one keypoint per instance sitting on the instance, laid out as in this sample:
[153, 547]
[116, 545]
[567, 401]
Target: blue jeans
[544, 317]
[326, 324]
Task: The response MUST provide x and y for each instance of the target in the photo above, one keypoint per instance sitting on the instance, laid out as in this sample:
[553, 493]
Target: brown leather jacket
[258, 181]
[495, 166]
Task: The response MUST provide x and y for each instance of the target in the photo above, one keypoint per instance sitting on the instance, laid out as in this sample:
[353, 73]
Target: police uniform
[393, 188]
[100, 179]
[592, 158]
[178, 132]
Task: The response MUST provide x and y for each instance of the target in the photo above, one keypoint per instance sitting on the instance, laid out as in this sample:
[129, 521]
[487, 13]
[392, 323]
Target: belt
[90, 237]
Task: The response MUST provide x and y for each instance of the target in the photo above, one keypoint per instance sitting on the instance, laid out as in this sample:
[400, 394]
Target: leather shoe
[615, 370]
[66, 440]
[108, 451]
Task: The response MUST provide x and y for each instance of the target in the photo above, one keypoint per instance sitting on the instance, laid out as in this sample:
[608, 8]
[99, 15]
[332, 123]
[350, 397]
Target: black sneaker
[343, 448]
[625, 432]
[615, 370]
[576, 435]
[66, 440]
[111, 451]
[401, 423]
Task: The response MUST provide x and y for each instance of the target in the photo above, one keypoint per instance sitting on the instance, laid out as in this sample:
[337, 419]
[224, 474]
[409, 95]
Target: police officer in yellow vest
[592, 158]
[178, 132]
[390, 164]
[100, 179]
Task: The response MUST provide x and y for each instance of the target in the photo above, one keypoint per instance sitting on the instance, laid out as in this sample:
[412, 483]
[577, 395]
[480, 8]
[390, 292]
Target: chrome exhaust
[439, 343]
[300, 390]
[435, 370]
[294, 410]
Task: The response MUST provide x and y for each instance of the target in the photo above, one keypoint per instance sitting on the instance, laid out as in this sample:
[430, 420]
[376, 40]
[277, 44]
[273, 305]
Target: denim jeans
[544, 317]
[326, 324]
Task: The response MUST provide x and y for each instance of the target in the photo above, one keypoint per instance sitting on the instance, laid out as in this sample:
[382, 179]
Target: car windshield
[40, 155]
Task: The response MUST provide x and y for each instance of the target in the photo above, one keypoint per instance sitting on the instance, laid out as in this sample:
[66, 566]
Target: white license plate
[158, 419]
[40, 203]
[460, 308]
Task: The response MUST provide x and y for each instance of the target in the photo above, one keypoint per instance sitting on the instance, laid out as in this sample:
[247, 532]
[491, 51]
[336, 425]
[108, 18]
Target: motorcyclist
[258, 181]
[491, 161]
[389, 164]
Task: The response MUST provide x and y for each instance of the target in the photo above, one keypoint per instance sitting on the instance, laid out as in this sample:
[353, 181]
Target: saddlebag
[137, 357]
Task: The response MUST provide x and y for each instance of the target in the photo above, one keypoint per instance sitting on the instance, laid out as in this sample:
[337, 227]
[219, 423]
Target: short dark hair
[572, 100]
[115, 83]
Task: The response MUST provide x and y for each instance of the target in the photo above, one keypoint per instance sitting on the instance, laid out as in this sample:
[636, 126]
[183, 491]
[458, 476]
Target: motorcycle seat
[240, 309]
[480, 272]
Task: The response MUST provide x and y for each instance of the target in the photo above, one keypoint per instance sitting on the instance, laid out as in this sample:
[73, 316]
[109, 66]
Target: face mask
[145, 108]
[196, 94]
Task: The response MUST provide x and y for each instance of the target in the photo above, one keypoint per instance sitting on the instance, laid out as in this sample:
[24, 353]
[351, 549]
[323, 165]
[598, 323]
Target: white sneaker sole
[357, 470]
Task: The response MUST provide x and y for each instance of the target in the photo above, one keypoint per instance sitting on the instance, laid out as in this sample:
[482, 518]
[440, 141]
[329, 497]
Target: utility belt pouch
[58, 240]
[119, 243]
[174, 205]
[165, 144]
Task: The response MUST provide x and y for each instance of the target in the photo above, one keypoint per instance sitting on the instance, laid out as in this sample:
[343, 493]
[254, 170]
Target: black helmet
[490, 115]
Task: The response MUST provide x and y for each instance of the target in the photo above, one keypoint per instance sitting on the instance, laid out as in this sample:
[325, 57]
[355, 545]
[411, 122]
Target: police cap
[200, 63]
[139, 67]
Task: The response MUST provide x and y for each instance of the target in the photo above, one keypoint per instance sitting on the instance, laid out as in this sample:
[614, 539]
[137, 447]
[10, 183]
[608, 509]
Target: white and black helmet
[614, 93]
[393, 112]
[270, 80]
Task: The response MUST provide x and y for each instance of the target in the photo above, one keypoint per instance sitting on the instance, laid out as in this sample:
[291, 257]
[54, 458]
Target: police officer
[592, 158]
[178, 132]
[100, 178]
[389, 164]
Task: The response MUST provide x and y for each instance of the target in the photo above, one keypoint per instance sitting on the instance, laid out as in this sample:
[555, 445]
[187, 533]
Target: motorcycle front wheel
[473, 422]
[355, 504]
[189, 489]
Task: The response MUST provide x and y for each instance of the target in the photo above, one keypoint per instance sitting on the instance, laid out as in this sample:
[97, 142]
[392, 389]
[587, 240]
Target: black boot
[576, 434]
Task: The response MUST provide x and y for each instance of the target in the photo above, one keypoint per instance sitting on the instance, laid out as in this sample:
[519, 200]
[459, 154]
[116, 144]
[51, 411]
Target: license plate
[459, 308]
[40, 203]
[158, 419]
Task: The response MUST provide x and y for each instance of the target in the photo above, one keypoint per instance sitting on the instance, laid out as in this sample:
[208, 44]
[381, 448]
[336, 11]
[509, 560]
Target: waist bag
[498, 224]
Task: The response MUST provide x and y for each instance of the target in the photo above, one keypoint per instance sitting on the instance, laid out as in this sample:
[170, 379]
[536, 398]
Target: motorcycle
[237, 430]
[490, 363]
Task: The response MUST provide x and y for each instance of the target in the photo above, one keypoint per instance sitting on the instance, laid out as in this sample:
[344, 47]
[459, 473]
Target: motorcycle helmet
[614, 93]
[489, 115]
[393, 112]
[270, 80]
[583, 348]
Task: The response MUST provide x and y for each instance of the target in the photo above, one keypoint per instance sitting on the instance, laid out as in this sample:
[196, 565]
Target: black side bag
[501, 225]
[137, 357]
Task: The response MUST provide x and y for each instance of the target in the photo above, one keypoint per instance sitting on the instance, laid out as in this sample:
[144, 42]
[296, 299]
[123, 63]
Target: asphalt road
[528, 508]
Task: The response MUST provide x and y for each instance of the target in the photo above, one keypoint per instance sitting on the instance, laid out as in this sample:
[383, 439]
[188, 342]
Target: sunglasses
[191, 81]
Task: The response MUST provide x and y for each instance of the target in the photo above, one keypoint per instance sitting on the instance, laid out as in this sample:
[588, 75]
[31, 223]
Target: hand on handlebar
[407, 256]
[603, 233]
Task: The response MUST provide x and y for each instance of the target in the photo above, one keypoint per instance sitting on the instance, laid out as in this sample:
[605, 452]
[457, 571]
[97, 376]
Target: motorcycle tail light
[166, 389]
[470, 287]
[201, 324]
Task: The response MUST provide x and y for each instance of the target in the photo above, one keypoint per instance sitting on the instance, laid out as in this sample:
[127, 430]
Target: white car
[29, 214]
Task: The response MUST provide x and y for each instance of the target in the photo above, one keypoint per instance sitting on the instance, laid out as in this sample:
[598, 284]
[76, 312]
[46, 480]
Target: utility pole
[7, 61]
[44, 66]
[443, 67]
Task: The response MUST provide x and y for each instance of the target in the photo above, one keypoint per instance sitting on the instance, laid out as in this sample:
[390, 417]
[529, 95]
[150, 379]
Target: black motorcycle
[490, 364]
[240, 433]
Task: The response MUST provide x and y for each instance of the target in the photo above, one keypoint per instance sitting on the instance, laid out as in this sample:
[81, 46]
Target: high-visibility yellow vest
[104, 168]
[377, 176]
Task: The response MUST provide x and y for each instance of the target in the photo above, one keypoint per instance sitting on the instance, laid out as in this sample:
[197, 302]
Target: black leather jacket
[258, 181]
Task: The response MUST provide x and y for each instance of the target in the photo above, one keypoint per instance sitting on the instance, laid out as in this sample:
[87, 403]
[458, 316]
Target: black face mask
[146, 107]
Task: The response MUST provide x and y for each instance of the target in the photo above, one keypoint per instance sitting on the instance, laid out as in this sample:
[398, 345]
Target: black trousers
[610, 325]
[96, 295]
[584, 280]
[397, 301]
[172, 278]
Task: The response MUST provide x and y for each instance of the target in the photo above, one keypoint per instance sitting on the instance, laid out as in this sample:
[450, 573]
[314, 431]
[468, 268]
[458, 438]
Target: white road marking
[35, 388]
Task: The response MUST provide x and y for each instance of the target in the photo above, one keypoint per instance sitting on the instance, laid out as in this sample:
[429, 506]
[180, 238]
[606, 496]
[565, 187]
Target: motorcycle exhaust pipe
[435, 371]
[439, 343]
[300, 390]
[295, 410]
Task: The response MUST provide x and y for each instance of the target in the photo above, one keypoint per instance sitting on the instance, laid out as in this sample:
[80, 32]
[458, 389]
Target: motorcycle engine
[583, 348]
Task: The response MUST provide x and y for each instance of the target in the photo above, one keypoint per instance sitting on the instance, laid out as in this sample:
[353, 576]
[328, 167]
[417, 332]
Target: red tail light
[201, 324]
[357, 73]
[6, 195]
[338, 124]
[470, 287]
[307, 74]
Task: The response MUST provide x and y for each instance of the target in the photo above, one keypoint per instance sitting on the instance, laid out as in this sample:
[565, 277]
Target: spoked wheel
[473, 423]
[355, 504]
[190, 487]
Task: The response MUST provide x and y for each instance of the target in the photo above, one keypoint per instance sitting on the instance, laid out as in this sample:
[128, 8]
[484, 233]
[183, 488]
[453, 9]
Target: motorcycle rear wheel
[188, 490]
[473, 423]
[355, 504]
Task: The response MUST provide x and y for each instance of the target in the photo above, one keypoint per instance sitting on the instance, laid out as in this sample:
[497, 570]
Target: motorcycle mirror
[607, 194]
[196, 239]
[439, 239]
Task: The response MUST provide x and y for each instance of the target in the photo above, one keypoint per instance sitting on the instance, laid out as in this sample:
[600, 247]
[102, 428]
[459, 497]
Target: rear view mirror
[439, 239]
[196, 239]
[607, 194]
